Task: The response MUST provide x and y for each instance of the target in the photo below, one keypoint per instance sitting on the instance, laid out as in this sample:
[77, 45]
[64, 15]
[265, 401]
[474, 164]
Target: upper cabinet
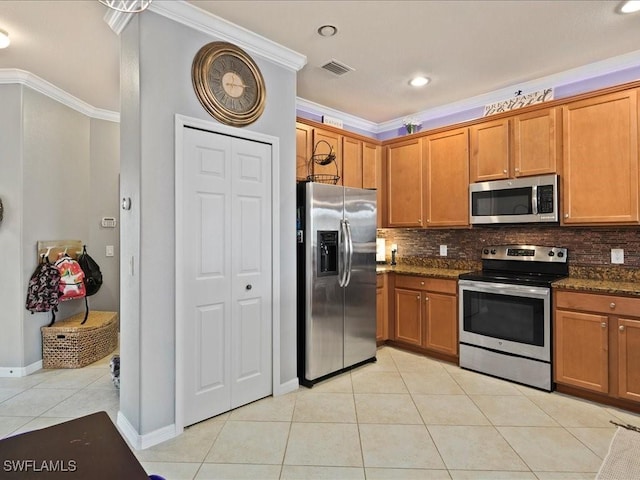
[325, 142]
[304, 147]
[351, 162]
[517, 146]
[489, 150]
[535, 142]
[600, 160]
[405, 183]
[446, 158]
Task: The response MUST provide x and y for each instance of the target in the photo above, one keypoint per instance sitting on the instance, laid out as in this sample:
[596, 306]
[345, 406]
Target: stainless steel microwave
[520, 200]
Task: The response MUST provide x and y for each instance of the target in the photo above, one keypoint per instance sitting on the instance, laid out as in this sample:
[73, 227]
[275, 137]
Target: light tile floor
[404, 417]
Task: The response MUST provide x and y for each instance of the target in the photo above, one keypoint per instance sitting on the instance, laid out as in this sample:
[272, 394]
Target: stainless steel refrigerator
[336, 294]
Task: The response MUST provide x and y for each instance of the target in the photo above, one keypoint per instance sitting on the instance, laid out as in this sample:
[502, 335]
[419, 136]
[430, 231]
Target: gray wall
[47, 156]
[156, 84]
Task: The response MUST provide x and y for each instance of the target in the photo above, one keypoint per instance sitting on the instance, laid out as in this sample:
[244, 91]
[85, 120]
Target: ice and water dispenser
[327, 252]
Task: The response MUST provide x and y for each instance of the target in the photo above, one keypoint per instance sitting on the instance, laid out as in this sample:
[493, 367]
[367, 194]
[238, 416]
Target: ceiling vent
[337, 68]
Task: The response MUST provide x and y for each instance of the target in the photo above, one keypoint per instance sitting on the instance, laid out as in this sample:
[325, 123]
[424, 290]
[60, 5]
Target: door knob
[248, 287]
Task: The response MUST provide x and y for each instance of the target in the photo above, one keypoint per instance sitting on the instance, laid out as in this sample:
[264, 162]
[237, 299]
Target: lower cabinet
[425, 314]
[597, 343]
[382, 307]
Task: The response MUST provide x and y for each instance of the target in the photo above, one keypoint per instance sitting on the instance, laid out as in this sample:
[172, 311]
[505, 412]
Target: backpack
[43, 291]
[92, 273]
[71, 278]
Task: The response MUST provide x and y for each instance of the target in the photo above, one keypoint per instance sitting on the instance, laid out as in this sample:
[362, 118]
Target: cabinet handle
[421, 283]
[566, 215]
[426, 299]
[419, 220]
[612, 305]
[517, 169]
[603, 324]
[418, 297]
[621, 328]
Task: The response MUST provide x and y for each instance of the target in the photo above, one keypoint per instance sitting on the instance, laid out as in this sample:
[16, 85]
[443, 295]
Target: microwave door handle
[534, 199]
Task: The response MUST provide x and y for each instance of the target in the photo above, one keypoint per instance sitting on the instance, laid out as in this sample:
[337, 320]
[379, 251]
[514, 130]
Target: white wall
[46, 182]
[156, 84]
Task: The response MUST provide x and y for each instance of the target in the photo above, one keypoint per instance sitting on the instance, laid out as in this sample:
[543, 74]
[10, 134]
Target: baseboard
[20, 371]
[140, 442]
[286, 387]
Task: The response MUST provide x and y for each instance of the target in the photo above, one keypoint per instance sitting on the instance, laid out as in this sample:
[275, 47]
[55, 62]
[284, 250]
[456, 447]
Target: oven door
[514, 319]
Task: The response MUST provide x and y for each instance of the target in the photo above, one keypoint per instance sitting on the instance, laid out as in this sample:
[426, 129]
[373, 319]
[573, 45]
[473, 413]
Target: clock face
[228, 83]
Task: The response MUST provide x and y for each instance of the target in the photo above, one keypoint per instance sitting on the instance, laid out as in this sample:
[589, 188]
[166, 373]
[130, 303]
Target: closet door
[224, 197]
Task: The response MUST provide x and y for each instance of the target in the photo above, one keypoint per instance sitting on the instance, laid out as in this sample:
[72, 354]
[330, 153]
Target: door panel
[226, 309]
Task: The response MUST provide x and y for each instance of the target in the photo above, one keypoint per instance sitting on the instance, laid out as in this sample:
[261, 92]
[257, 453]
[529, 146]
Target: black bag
[92, 278]
[92, 273]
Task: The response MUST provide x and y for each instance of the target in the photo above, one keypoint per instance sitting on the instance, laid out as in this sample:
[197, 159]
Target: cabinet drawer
[608, 304]
[424, 283]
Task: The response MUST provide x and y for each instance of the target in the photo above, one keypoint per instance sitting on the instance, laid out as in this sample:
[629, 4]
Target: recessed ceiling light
[419, 81]
[4, 39]
[630, 6]
[327, 30]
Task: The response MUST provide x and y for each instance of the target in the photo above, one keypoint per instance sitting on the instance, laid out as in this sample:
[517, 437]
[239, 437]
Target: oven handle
[504, 288]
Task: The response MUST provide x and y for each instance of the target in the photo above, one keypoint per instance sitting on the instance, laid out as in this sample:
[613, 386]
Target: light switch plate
[617, 255]
[443, 250]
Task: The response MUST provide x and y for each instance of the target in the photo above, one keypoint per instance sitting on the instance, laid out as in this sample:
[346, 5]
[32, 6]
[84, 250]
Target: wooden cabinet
[536, 143]
[382, 306]
[405, 181]
[351, 162]
[425, 314]
[518, 146]
[446, 156]
[304, 147]
[597, 343]
[489, 150]
[371, 166]
[324, 142]
[600, 160]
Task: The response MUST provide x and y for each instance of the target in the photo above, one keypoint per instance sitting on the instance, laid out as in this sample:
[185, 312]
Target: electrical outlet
[617, 255]
[109, 251]
[443, 250]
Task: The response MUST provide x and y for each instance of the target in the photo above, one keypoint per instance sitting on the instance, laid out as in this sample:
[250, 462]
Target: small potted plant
[411, 124]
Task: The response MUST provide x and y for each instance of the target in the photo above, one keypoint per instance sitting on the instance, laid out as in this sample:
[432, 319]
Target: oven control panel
[530, 253]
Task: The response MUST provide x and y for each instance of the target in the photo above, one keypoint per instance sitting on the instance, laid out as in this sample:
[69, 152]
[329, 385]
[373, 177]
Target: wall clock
[228, 84]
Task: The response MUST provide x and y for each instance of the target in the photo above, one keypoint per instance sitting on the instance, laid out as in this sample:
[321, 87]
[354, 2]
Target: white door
[226, 308]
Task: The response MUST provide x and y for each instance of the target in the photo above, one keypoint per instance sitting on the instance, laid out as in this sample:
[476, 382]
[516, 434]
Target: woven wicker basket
[68, 344]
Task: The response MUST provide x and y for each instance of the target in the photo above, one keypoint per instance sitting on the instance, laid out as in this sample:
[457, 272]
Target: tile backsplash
[588, 247]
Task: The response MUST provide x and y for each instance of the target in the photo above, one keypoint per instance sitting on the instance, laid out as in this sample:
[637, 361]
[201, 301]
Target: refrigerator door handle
[342, 262]
[349, 253]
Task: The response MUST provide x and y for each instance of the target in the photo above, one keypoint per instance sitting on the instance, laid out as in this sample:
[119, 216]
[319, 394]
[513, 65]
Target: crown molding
[576, 75]
[351, 120]
[22, 77]
[205, 22]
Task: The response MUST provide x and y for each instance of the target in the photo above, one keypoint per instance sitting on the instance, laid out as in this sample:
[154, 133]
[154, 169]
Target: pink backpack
[71, 278]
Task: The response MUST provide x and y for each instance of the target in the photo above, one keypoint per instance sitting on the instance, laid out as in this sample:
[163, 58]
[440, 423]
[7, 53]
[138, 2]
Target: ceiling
[467, 48]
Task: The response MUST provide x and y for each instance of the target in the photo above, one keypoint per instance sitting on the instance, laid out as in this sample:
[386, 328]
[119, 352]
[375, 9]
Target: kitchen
[410, 243]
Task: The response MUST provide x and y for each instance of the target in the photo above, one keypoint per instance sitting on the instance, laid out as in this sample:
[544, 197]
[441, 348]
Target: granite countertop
[420, 271]
[594, 280]
[611, 287]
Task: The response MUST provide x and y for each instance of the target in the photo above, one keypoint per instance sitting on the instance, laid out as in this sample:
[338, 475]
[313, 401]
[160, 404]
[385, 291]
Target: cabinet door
[405, 184]
[382, 320]
[600, 159]
[489, 150]
[322, 142]
[447, 185]
[441, 331]
[408, 316]
[581, 350]
[351, 162]
[371, 174]
[304, 147]
[629, 359]
[535, 143]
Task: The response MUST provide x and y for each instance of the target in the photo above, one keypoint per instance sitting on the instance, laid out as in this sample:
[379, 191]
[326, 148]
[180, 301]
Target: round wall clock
[228, 83]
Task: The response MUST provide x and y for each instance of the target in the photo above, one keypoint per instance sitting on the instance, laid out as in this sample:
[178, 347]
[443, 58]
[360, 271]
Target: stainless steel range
[505, 313]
